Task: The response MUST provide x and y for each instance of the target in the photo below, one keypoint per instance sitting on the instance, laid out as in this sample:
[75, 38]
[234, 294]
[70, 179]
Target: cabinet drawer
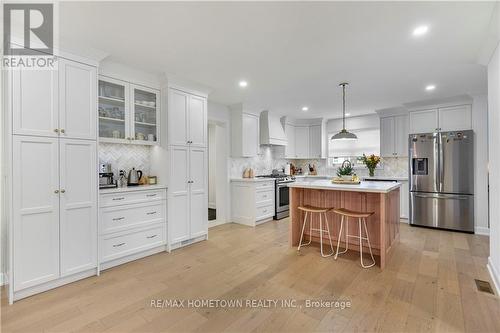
[264, 185]
[116, 199]
[264, 212]
[261, 196]
[123, 217]
[114, 247]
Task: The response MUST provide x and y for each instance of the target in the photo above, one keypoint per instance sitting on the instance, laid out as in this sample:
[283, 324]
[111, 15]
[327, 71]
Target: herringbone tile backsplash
[125, 157]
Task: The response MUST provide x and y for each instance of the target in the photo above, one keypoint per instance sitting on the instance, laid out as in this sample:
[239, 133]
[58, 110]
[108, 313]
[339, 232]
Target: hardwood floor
[428, 285]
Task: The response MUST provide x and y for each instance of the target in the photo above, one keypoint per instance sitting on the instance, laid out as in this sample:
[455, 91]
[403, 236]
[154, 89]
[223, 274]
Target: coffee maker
[106, 178]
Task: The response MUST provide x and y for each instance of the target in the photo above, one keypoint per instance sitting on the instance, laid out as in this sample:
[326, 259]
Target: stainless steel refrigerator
[442, 180]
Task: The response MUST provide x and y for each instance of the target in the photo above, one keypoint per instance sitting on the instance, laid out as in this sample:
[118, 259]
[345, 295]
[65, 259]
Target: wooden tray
[346, 182]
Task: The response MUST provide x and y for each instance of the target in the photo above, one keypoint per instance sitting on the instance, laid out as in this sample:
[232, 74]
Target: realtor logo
[28, 29]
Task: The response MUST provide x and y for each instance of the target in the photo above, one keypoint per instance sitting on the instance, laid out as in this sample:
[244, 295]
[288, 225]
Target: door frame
[222, 179]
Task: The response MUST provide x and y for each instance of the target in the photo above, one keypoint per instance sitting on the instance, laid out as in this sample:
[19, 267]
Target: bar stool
[361, 216]
[321, 211]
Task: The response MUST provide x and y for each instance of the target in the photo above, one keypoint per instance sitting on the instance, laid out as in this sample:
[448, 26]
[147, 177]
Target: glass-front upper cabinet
[145, 113]
[128, 113]
[113, 95]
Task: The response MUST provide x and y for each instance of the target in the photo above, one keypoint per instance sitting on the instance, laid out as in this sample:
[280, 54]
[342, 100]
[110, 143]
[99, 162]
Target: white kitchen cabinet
[35, 197]
[35, 102]
[77, 100]
[455, 118]
[188, 195]
[424, 121]
[404, 199]
[55, 103]
[394, 136]
[78, 202]
[387, 137]
[315, 141]
[244, 133]
[290, 136]
[302, 141]
[128, 113]
[187, 119]
[253, 202]
[132, 224]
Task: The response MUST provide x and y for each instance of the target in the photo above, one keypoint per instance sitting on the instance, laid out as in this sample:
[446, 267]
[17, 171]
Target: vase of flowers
[371, 163]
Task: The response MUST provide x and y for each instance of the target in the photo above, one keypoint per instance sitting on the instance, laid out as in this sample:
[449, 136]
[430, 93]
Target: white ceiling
[294, 54]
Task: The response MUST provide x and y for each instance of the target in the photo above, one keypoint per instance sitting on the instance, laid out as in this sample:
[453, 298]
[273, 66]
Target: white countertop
[362, 177]
[131, 188]
[365, 186]
[252, 180]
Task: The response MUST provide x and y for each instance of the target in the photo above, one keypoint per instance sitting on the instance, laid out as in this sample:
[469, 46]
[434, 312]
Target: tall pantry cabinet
[51, 135]
[188, 172]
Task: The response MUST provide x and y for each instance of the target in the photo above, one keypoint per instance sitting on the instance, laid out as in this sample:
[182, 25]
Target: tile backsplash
[125, 157]
[269, 158]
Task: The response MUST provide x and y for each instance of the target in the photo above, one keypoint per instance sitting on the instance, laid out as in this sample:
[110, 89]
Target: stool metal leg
[329, 237]
[302, 235]
[369, 246]
[340, 236]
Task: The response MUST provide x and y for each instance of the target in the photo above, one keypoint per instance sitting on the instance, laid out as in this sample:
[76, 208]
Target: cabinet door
[250, 135]
[315, 140]
[455, 118]
[400, 136]
[78, 212]
[77, 100]
[178, 195]
[197, 128]
[177, 117]
[35, 210]
[198, 191]
[425, 121]
[387, 135]
[290, 145]
[35, 102]
[114, 114]
[404, 200]
[145, 114]
[302, 141]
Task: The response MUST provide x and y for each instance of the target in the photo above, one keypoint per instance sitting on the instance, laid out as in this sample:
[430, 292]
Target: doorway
[217, 173]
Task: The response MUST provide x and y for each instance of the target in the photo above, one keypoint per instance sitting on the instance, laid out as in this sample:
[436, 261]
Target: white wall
[494, 164]
[480, 127]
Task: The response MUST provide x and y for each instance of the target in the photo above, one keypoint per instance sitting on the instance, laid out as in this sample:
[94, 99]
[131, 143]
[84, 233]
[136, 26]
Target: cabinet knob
[56, 130]
[63, 131]
[63, 191]
[56, 191]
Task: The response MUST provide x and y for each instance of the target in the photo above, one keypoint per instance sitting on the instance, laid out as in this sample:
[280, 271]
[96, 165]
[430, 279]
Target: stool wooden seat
[312, 209]
[309, 210]
[352, 213]
[361, 216]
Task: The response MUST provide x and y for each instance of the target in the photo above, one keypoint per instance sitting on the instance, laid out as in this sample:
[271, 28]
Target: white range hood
[271, 130]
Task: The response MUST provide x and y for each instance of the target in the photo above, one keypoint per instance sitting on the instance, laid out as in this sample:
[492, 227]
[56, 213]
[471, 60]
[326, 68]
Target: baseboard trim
[495, 275]
[482, 231]
[132, 257]
[215, 223]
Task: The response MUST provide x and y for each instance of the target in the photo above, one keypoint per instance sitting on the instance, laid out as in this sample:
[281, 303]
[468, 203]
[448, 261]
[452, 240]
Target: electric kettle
[133, 177]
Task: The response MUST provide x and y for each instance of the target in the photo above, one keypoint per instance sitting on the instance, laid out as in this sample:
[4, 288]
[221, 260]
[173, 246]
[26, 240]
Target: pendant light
[344, 134]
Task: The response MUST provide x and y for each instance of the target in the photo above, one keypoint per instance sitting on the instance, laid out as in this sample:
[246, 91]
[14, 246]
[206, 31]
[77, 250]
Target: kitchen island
[382, 198]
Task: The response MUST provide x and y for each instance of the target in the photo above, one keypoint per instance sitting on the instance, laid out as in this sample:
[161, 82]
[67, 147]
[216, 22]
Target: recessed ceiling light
[347, 114]
[305, 108]
[430, 87]
[243, 84]
[420, 30]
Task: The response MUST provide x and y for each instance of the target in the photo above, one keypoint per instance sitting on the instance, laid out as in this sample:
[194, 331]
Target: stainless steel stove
[282, 193]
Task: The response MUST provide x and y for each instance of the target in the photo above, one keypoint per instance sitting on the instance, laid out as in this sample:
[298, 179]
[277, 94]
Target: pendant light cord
[343, 106]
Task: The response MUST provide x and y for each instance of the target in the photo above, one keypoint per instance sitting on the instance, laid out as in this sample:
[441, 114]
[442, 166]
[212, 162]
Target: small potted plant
[371, 163]
[345, 171]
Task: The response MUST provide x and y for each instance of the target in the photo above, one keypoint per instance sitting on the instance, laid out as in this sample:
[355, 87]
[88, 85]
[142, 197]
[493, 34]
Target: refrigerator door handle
[438, 196]
[437, 173]
[441, 163]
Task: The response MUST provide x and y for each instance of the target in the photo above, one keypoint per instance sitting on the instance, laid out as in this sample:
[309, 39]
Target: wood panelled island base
[379, 197]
